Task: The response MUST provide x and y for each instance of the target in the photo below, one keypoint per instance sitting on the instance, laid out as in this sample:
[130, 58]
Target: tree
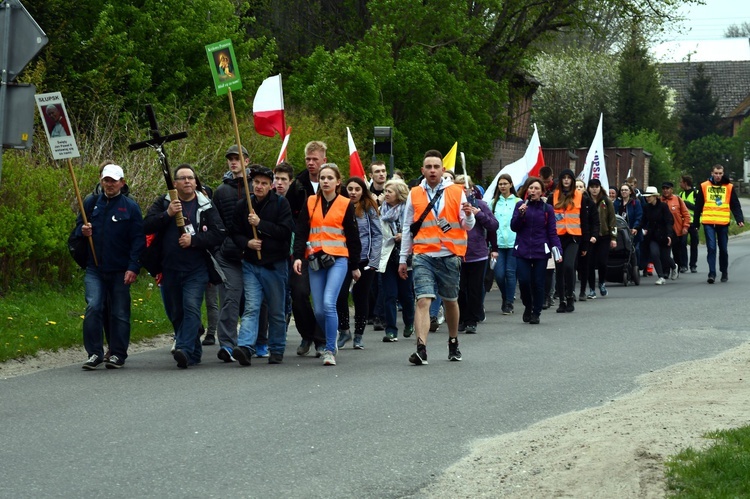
[568, 103]
[699, 118]
[640, 97]
[701, 154]
[738, 30]
[661, 167]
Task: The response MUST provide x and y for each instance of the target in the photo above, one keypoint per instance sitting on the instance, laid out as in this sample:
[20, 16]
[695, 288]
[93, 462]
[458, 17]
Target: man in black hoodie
[714, 202]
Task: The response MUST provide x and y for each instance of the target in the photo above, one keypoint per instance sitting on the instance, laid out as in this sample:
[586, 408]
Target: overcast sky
[709, 21]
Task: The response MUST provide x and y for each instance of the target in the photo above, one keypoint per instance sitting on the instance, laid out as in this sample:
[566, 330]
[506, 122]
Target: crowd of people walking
[278, 246]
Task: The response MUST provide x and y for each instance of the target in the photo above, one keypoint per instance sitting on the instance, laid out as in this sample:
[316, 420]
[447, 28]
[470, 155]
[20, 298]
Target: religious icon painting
[224, 68]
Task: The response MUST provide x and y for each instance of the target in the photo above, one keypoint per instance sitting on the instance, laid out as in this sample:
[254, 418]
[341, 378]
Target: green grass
[50, 319]
[721, 471]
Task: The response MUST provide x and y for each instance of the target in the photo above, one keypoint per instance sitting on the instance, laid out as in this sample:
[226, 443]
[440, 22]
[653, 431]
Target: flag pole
[83, 212]
[242, 162]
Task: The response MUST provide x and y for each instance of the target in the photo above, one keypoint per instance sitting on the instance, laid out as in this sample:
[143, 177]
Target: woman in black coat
[658, 235]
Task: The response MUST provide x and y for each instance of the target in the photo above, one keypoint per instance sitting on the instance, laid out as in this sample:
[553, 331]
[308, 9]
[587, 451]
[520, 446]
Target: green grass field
[50, 319]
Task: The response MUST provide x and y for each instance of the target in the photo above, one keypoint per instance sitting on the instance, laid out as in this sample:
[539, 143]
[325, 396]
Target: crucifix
[157, 142]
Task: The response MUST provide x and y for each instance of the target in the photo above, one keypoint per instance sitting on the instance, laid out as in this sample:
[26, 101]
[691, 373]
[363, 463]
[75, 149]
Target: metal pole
[4, 77]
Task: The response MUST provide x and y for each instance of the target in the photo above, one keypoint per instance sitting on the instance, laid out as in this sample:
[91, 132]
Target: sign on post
[57, 125]
[224, 67]
[18, 131]
[25, 37]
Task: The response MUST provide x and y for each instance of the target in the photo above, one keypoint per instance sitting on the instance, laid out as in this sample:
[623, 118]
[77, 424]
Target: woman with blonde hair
[393, 287]
[327, 234]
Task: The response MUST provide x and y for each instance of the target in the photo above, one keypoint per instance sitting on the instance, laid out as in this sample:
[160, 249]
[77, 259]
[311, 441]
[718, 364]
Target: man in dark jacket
[185, 258]
[715, 201]
[264, 265]
[116, 225]
[229, 256]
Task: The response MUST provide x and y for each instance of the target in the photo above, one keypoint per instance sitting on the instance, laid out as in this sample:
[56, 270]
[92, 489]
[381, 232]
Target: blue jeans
[183, 296]
[437, 276]
[325, 285]
[531, 276]
[106, 288]
[267, 284]
[505, 274]
[393, 287]
[716, 234]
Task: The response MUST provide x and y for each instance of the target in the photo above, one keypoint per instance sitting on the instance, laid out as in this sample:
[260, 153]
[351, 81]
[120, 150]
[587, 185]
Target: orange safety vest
[568, 219]
[716, 198]
[327, 232]
[431, 238]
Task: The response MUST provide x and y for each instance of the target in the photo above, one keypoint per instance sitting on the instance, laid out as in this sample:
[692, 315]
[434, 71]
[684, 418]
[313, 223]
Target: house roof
[730, 82]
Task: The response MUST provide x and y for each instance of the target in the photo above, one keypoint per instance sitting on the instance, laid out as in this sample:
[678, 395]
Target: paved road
[373, 426]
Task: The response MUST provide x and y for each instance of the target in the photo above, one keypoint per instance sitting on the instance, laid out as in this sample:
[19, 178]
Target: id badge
[444, 225]
[189, 229]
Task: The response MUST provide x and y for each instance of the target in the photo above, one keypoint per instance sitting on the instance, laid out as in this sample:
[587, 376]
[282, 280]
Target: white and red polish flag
[282, 153]
[268, 108]
[355, 164]
[528, 166]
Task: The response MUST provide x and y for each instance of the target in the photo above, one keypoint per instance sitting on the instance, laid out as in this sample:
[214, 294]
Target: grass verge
[49, 319]
[721, 471]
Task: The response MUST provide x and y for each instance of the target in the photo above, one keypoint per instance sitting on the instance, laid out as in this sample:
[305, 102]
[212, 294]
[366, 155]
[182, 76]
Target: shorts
[437, 273]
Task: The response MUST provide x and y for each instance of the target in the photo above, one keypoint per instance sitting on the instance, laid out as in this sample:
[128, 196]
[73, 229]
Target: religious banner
[224, 67]
[57, 125]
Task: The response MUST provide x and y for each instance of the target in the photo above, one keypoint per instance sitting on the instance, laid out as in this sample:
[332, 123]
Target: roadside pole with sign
[62, 142]
[226, 76]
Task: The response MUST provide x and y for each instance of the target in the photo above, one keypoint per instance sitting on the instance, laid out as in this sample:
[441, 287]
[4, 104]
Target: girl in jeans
[327, 232]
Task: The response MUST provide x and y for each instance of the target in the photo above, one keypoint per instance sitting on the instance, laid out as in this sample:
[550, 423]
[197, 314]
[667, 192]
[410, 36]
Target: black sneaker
[461, 327]
[724, 277]
[471, 329]
[534, 319]
[527, 314]
[377, 324]
[224, 355]
[548, 302]
[209, 340]
[711, 279]
[509, 306]
[181, 358]
[454, 354]
[114, 362]
[275, 358]
[93, 362]
[304, 347]
[562, 308]
[693, 270]
[419, 357]
[242, 355]
[434, 324]
[570, 307]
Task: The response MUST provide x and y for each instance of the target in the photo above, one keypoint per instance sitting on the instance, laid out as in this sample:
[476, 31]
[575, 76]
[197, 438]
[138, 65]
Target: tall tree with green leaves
[640, 97]
[700, 117]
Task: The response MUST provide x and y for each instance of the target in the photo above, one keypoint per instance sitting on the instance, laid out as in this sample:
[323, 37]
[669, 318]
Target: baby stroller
[622, 265]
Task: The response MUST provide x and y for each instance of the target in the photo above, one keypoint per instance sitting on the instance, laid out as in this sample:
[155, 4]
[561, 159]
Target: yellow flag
[449, 160]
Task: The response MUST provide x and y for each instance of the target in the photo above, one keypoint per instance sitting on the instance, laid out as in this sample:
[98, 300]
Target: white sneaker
[441, 315]
[674, 273]
[328, 359]
[660, 281]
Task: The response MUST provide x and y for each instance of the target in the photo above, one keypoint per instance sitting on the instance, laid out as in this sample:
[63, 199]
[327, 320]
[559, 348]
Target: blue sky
[709, 21]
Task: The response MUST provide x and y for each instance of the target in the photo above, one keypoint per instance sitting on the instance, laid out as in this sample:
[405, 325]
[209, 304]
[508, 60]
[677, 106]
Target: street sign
[25, 37]
[19, 116]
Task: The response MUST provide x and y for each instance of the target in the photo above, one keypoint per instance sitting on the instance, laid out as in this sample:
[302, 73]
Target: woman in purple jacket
[536, 235]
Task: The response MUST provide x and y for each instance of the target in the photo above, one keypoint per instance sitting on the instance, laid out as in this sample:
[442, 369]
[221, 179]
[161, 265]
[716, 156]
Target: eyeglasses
[186, 177]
